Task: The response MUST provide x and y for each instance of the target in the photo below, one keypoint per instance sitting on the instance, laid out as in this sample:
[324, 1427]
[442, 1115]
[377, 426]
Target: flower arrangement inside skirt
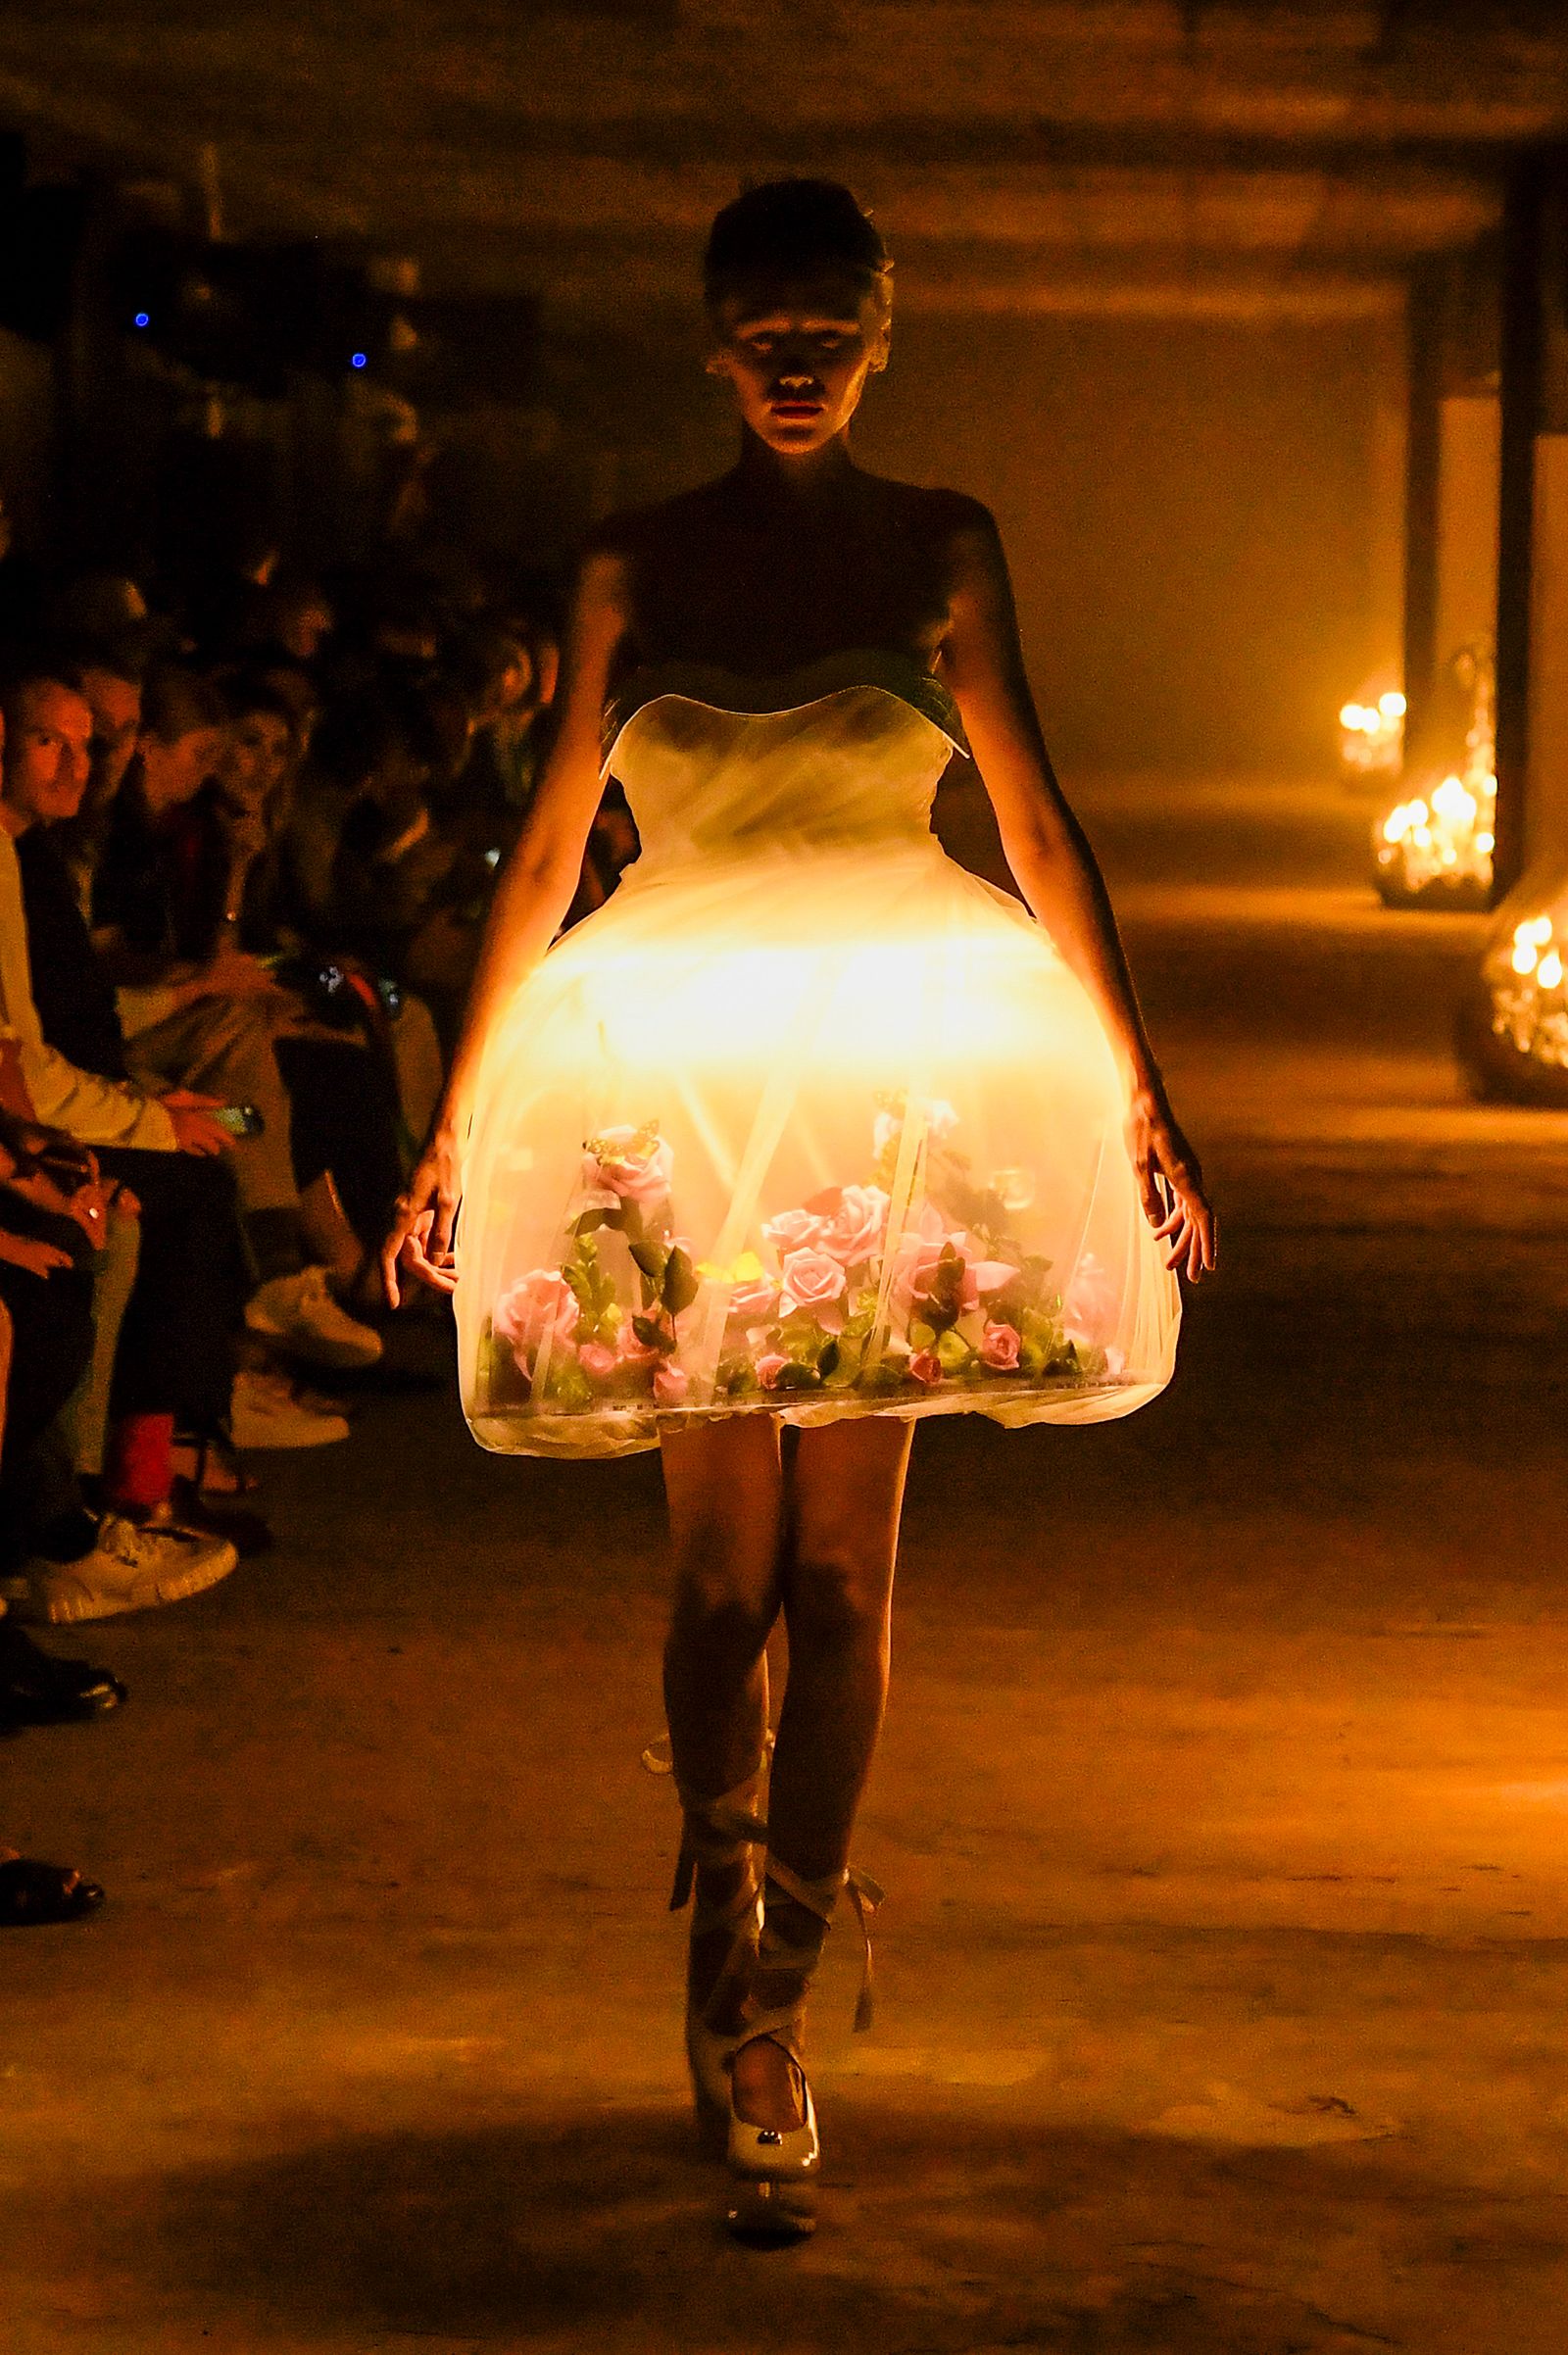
[823, 1306]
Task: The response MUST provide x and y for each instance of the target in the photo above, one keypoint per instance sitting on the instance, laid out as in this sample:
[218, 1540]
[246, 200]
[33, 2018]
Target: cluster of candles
[1530, 1006]
[1442, 840]
[1372, 735]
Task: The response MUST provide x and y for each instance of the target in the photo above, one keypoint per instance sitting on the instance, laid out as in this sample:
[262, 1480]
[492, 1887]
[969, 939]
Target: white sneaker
[129, 1569]
[269, 1412]
[300, 1313]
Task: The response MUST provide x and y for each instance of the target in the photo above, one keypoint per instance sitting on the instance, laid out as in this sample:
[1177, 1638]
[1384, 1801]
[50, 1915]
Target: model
[806, 1133]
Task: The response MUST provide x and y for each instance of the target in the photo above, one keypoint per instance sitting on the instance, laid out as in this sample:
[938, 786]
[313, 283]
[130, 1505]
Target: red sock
[139, 1470]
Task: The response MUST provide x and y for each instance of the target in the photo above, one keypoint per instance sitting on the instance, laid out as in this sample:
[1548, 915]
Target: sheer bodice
[718, 765]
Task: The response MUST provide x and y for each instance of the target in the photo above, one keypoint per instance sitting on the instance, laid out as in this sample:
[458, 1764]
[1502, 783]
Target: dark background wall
[1189, 510]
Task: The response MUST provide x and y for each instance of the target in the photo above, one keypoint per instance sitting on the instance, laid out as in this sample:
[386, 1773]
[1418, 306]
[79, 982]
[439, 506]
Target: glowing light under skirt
[762, 1013]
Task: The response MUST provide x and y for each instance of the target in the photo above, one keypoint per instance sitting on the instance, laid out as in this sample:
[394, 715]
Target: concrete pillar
[1384, 479]
[1533, 558]
[1545, 844]
[1469, 434]
[1424, 325]
[1523, 329]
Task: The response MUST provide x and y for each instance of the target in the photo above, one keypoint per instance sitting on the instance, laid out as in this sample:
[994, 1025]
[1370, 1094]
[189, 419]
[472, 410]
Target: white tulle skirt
[816, 1132]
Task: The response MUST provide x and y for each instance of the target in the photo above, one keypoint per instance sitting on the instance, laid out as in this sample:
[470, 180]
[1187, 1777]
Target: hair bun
[789, 227]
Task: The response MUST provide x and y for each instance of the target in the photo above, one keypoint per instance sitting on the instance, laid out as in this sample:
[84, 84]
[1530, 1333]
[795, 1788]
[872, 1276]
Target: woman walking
[806, 1134]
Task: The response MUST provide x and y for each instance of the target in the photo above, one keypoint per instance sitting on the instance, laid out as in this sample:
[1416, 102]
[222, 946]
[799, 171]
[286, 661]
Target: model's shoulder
[935, 513]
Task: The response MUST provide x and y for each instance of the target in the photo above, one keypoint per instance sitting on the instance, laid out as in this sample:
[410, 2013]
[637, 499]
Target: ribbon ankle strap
[714, 1831]
[821, 1897]
[866, 1895]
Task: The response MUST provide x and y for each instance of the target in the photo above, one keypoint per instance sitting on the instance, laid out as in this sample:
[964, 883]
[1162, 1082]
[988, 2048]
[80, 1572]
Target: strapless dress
[806, 1120]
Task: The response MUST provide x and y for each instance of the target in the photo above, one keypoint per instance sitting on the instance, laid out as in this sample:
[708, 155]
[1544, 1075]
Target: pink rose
[925, 1366]
[635, 1353]
[853, 1220]
[753, 1300]
[538, 1304]
[792, 1230]
[595, 1360]
[670, 1386]
[770, 1367]
[812, 1280]
[633, 1168]
[999, 1349]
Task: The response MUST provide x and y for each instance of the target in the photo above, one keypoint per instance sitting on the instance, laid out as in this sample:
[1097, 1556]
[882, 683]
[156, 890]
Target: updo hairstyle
[794, 228]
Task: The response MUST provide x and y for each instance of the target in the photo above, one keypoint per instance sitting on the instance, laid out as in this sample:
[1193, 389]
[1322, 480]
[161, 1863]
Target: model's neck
[812, 475]
[15, 821]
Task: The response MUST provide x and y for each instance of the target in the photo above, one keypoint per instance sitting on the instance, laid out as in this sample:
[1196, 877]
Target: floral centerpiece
[957, 1303]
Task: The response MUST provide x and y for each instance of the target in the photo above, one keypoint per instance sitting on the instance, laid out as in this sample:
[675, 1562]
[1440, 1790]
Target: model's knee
[836, 1601]
[718, 1608]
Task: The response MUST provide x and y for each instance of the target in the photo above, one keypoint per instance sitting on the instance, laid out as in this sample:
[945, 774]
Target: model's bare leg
[844, 1493]
[726, 1487]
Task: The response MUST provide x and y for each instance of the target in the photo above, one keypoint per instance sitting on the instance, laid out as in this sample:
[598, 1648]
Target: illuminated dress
[806, 1119]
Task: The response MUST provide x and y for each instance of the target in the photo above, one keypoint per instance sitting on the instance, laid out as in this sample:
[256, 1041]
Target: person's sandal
[32, 1893]
[724, 1832]
[773, 2170]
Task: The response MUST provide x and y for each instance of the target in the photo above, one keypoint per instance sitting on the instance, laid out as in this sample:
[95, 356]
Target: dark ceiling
[1110, 153]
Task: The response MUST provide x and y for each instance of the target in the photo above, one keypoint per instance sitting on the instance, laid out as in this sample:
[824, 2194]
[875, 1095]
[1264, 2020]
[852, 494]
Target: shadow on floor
[939, 2234]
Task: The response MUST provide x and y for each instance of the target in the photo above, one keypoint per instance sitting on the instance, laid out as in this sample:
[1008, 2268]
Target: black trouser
[177, 1348]
[344, 1101]
[51, 1343]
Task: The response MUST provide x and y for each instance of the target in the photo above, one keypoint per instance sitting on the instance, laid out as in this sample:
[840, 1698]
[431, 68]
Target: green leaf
[798, 1377]
[586, 1226]
[652, 1334]
[827, 1362]
[566, 1385]
[681, 1281]
[650, 1255]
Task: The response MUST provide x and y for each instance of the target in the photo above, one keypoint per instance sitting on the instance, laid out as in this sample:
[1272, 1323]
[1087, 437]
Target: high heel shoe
[719, 1834]
[773, 2170]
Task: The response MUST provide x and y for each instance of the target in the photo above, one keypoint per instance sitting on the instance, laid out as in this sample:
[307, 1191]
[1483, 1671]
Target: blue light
[359, 359]
[143, 318]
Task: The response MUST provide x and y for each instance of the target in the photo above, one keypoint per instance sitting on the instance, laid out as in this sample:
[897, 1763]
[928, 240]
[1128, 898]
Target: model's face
[253, 760]
[797, 356]
[46, 753]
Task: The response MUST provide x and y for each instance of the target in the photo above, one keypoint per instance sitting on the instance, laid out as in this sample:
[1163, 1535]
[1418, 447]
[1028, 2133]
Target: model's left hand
[1171, 1185]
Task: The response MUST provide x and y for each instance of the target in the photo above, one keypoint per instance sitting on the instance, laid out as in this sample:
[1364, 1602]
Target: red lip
[790, 411]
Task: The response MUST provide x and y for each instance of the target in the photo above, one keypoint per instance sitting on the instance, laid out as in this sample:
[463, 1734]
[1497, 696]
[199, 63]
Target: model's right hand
[195, 1129]
[420, 1240]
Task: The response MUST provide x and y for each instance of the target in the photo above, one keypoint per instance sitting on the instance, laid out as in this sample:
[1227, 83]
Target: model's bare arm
[532, 894]
[982, 662]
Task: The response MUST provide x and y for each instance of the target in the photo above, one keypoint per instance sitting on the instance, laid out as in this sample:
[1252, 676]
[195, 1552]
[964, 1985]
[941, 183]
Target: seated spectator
[175, 1363]
[167, 903]
[51, 1222]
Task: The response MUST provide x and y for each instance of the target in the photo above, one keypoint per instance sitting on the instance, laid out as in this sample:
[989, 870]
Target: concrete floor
[1223, 1808]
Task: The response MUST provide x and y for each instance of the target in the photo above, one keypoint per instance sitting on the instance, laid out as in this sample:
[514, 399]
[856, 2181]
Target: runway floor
[1223, 1807]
